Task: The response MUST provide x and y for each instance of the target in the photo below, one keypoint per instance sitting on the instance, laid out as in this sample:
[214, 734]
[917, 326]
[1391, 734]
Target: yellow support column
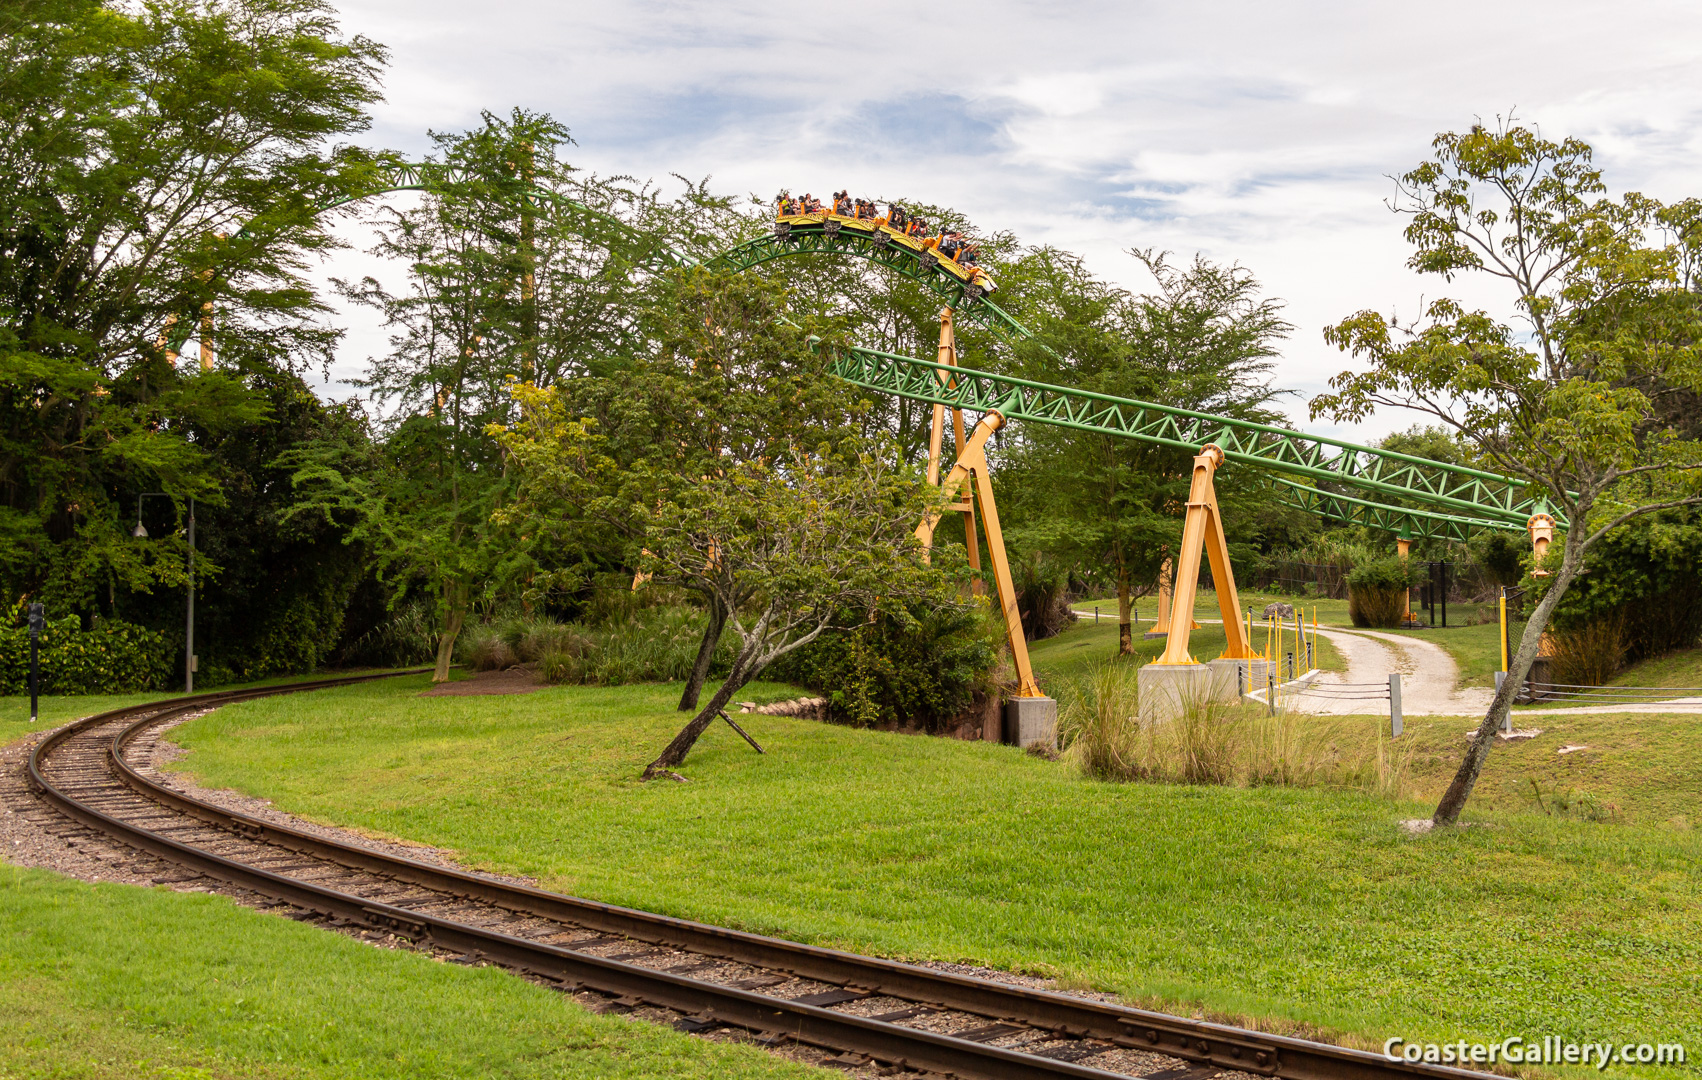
[1202, 534]
[972, 467]
[936, 439]
[1169, 684]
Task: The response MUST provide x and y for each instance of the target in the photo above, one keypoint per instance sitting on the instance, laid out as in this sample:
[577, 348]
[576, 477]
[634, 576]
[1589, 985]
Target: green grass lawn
[118, 983]
[53, 711]
[1681, 668]
[1305, 908]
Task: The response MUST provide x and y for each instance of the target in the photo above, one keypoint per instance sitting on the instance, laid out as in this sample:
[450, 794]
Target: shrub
[1042, 597]
[1216, 742]
[111, 657]
[483, 649]
[1588, 654]
[1377, 592]
[1099, 723]
[636, 644]
[924, 671]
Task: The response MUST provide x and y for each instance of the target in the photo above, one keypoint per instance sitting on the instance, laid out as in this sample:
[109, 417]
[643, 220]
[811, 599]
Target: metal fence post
[1507, 724]
[1271, 690]
[1395, 705]
[38, 619]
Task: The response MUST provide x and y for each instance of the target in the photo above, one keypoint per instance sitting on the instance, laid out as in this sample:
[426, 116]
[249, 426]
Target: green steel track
[1400, 493]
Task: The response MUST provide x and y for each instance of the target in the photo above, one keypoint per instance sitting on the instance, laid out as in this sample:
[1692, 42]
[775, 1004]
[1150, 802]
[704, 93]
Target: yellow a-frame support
[969, 477]
[1202, 534]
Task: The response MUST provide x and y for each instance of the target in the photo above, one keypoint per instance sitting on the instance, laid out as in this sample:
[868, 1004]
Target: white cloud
[1262, 133]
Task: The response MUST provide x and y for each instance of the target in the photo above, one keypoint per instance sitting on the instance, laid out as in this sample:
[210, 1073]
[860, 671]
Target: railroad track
[876, 1015]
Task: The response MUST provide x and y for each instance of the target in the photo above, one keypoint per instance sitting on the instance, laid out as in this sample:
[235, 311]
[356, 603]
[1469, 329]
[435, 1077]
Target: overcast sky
[1263, 134]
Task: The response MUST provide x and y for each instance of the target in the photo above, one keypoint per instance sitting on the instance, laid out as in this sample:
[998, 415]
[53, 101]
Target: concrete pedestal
[1166, 689]
[1030, 720]
[1253, 674]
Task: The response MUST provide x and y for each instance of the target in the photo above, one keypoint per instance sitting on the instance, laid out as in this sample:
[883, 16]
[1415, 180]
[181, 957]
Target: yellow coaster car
[883, 234]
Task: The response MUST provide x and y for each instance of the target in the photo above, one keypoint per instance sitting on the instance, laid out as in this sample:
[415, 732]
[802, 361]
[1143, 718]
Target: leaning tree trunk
[1460, 790]
[1125, 612]
[676, 751]
[456, 596]
[705, 654]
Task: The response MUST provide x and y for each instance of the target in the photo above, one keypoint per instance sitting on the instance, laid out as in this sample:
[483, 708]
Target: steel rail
[1214, 1045]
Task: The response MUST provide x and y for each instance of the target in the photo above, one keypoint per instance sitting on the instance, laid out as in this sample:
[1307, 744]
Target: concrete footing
[1030, 720]
[1167, 689]
[1233, 678]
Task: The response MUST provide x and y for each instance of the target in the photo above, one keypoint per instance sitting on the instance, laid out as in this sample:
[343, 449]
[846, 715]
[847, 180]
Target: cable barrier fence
[1575, 694]
[1343, 696]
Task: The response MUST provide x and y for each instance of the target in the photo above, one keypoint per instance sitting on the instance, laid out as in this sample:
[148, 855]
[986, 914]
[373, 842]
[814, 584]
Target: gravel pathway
[1428, 675]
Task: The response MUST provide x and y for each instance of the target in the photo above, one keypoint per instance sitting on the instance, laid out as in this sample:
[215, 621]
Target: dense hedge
[1377, 591]
[113, 657]
[923, 672]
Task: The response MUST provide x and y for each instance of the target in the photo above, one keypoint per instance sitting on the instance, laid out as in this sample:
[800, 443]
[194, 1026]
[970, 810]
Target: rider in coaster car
[782, 204]
[948, 245]
[895, 217]
[917, 227]
[812, 205]
[970, 253]
[842, 203]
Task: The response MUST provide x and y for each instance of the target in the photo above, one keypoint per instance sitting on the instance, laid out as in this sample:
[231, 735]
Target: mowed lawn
[117, 983]
[1306, 909]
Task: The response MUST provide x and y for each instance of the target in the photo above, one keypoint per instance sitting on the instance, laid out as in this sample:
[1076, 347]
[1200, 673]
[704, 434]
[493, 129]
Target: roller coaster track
[1408, 495]
[903, 1018]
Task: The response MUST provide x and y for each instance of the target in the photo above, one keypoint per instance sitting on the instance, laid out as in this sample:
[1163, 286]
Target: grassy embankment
[1306, 908]
[117, 983]
[53, 711]
[1638, 766]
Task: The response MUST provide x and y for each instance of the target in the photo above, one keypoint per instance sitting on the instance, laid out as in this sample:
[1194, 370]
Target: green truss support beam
[1455, 501]
[1472, 497]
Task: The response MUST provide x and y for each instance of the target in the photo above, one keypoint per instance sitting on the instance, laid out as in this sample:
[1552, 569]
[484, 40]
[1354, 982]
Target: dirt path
[1428, 674]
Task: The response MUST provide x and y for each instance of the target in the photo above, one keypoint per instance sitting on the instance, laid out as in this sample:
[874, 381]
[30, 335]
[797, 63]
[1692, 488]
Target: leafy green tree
[1203, 341]
[159, 162]
[787, 548]
[1568, 399]
[727, 377]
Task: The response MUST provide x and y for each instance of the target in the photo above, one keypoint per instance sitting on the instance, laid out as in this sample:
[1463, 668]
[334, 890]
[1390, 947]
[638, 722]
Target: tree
[1203, 341]
[163, 165]
[727, 377]
[1568, 402]
[786, 549]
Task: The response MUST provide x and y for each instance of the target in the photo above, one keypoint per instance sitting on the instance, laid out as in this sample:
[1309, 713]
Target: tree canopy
[1586, 392]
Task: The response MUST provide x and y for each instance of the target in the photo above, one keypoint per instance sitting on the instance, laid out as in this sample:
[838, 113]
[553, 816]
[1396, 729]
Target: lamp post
[141, 533]
[38, 616]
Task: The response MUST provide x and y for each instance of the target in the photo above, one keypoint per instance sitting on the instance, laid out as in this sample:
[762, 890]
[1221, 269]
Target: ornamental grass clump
[1588, 654]
[1099, 723]
[1377, 592]
[1219, 742]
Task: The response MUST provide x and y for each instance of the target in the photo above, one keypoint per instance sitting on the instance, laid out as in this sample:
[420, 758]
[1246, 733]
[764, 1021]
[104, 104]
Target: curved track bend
[878, 1015]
